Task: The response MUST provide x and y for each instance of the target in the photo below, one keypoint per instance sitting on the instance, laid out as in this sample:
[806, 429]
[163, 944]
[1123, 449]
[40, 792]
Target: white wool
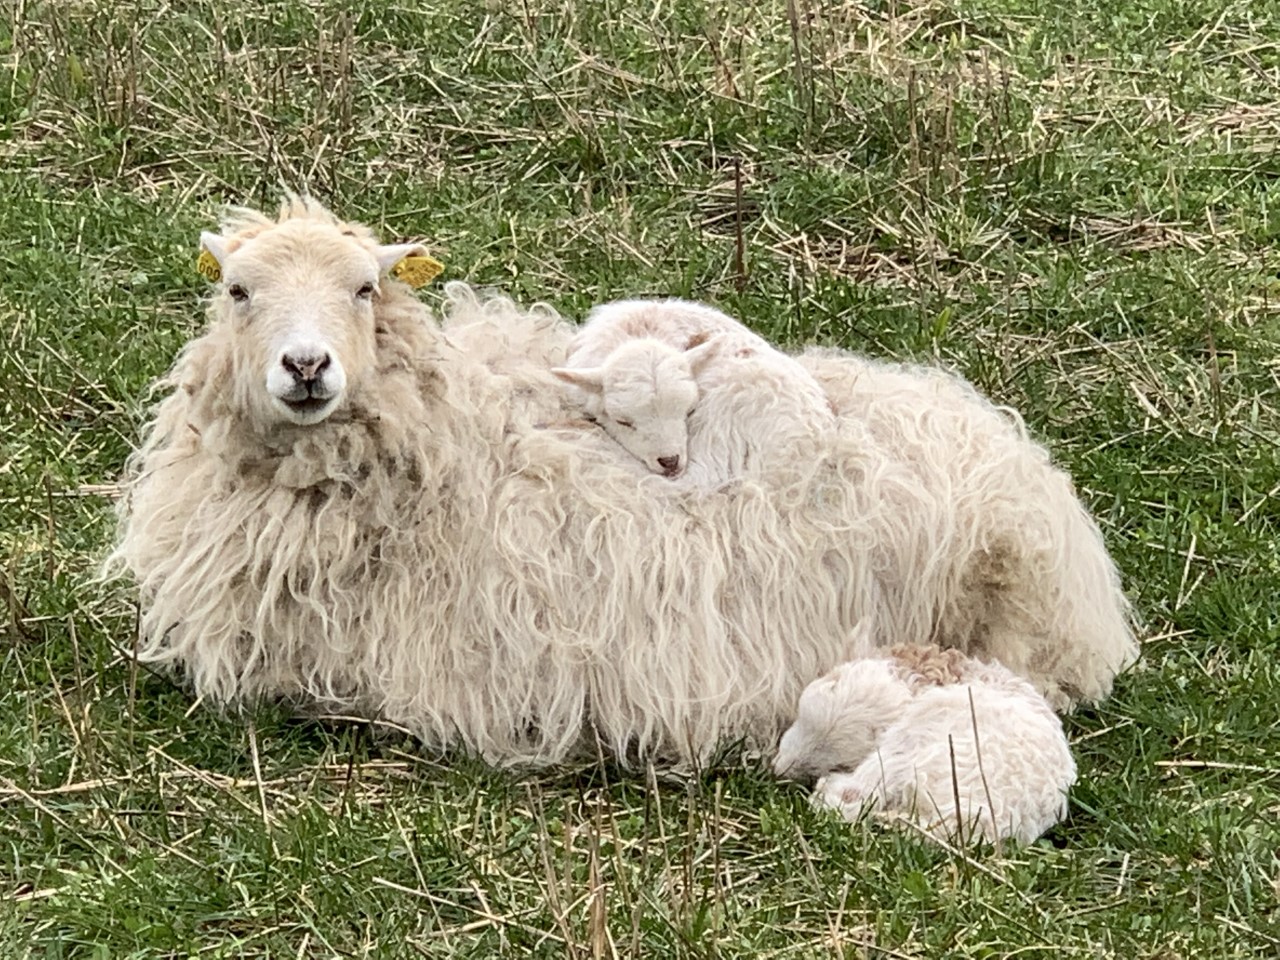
[976, 753]
[1032, 541]
[760, 414]
[444, 548]
[681, 324]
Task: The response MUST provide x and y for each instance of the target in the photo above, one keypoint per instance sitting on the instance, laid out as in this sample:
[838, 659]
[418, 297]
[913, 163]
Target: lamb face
[841, 717]
[642, 396]
[299, 298]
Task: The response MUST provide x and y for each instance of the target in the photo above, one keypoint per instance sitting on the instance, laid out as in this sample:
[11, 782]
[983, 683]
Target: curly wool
[1034, 562]
[447, 552]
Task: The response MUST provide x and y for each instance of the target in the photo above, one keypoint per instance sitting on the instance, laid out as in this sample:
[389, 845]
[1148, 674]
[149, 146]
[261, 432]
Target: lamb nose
[669, 464]
[307, 368]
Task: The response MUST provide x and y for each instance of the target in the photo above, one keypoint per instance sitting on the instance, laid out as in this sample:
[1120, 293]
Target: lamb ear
[213, 256]
[590, 379]
[700, 355]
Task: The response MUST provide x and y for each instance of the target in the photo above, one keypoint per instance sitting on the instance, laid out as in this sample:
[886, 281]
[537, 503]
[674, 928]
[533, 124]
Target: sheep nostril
[669, 465]
[305, 368]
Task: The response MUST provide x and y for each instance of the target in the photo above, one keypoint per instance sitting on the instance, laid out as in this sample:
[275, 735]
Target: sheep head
[841, 717]
[299, 296]
[642, 395]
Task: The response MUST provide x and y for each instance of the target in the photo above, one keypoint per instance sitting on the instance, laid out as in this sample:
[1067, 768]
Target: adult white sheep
[410, 543]
[960, 748]
[687, 389]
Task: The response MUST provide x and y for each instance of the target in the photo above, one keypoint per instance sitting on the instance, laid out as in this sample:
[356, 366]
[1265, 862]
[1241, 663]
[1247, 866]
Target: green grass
[1074, 204]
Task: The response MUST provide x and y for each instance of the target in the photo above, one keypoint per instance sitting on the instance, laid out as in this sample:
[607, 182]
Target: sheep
[688, 390]
[643, 395]
[419, 541]
[959, 748]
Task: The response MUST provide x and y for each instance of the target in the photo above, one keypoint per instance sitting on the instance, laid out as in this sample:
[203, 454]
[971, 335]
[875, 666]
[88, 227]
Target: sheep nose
[307, 367]
[669, 465]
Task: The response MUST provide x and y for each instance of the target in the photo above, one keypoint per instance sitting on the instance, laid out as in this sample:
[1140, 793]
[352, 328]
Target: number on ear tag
[207, 266]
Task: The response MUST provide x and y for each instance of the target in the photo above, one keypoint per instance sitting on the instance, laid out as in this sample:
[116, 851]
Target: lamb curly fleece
[958, 748]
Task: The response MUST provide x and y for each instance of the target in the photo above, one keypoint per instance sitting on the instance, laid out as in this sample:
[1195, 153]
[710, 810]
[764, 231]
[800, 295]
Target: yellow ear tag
[417, 271]
[207, 266]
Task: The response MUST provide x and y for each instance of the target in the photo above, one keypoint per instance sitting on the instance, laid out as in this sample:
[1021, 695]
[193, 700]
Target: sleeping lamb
[691, 392]
[953, 745]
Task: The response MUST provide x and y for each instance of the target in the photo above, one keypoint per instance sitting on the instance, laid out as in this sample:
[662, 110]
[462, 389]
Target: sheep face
[642, 395]
[841, 717]
[300, 297]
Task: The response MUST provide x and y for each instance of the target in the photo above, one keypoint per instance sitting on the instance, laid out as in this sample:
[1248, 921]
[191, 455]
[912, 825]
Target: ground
[1073, 203]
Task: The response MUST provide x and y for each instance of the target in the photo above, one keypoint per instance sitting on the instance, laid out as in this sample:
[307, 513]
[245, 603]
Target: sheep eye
[365, 292]
[625, 423]
[238, 293]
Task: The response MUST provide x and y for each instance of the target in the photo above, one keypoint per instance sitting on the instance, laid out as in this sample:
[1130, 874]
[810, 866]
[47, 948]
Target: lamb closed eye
[625, 423]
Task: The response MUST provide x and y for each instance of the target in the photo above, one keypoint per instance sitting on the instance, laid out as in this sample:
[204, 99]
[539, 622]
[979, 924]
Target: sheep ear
[700, 355]
[213, 254]
[392, 253]
[591, 379]
[408, 262]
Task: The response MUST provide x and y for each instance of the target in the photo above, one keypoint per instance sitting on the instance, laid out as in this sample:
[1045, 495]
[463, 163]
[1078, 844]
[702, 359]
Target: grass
[1075, 204]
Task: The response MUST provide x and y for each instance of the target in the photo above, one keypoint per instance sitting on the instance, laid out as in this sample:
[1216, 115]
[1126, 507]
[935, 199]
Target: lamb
[681, 385]
[957, 747]
[643, 395]
[343, 502]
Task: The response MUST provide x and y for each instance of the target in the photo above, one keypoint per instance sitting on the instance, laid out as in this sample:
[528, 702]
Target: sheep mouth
[308, 404]
[308, 409]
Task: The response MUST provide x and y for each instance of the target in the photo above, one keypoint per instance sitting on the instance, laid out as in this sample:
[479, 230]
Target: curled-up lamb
[691, 392]
[958, 747]
[642, 394]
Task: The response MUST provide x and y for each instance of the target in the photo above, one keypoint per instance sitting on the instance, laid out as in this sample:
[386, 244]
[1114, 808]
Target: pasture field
[1075, 204]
